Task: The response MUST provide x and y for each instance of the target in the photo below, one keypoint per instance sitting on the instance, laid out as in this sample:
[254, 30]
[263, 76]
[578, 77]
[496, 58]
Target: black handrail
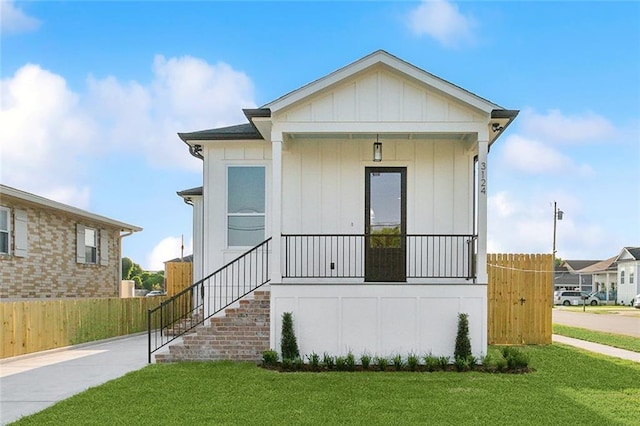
[190, 308]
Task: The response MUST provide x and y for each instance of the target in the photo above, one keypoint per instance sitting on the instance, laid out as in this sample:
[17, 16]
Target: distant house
[604, 277]
[568, 276]
[361, 199]
[628, 262]
[52, 250]
[616, 278]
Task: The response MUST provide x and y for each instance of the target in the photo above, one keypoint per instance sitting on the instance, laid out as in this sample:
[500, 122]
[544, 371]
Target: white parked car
[572, 297]
[636, 302]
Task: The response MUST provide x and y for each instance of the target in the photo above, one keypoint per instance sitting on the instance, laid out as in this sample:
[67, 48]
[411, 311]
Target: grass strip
[568, 387]
[629, 343]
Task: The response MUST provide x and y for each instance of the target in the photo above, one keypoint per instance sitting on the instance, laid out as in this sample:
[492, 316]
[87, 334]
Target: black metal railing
[193, 306]
[347, 255]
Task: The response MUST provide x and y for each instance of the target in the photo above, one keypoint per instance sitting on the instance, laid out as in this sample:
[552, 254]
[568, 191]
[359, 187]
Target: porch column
[276, 207]
[481, 261]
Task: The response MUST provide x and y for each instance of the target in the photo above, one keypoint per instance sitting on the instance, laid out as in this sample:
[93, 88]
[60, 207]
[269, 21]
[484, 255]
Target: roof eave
[45, 202]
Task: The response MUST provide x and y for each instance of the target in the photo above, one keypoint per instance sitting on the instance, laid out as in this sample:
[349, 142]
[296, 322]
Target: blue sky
[93, 94]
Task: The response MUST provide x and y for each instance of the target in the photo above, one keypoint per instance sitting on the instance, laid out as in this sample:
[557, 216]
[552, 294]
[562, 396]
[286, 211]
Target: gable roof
[45, 202]
[633, 254]
[393, 62]
[249, 131]
[602, 266]
[577, 265]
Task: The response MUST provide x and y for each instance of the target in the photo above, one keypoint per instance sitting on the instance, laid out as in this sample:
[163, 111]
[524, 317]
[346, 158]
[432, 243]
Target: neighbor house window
[5, 232]
[245, 205]
[90, 246]
[630, 277]
[622, 276]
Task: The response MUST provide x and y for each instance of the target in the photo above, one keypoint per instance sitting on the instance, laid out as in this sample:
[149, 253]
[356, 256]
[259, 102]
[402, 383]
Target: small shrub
[314, 361]
[515, 358]
[365, 360]
[381, 362]
[298, 363]
[327, 361]
[397, 362]
[341, 363]
[444, 362]
[288, 342]
[472, 360]
[270, 357]
[287, 364]
[463, 344]
[501, 364]
[462, 364]
[350, 362]
[412, 362]
[488, 362]
[431, 362]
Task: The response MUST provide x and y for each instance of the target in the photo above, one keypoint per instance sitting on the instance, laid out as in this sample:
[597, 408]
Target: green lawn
[568, 387]
[616, 340]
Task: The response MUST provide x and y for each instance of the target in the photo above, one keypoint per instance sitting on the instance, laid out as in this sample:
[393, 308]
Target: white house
[364, 194]
[628, 262]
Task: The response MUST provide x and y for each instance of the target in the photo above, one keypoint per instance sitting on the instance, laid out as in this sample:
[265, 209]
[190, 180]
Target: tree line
[149, 280]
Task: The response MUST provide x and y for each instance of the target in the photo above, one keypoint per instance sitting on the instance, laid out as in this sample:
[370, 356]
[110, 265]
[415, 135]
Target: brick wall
[50, 269]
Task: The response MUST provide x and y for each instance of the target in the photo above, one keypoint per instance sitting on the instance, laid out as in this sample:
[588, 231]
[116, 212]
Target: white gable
[380, 94]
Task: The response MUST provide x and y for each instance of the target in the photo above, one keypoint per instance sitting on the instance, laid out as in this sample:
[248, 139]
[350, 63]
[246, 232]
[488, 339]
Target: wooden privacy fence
[38, 325]
[179, 275]
[519, 296]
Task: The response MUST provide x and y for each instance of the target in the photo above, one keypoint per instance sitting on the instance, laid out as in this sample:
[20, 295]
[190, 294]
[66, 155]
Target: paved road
[609, 323]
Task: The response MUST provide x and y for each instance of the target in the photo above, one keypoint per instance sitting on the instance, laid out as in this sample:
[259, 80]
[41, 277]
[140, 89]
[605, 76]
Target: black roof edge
[504, 113]
[249, 132]
[256, 112]
[190, 191]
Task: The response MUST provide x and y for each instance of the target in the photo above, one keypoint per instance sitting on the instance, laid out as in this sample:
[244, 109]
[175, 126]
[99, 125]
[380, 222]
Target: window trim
[93, 261]
[7, 231]
[227, 215]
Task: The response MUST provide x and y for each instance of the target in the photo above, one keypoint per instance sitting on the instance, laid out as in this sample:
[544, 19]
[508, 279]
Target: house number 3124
[483, 177]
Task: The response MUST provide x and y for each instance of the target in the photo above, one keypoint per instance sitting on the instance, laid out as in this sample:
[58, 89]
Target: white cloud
[52, 135]
[557, 127]
[167, 249]
[186, 94]
[533, 157]
[13, 20]
[443, 21]
[44, 135]
[522, 222]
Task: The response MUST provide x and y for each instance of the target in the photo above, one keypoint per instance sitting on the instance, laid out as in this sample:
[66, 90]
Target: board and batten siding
[379, 95]
[217, 158]
[324, 185]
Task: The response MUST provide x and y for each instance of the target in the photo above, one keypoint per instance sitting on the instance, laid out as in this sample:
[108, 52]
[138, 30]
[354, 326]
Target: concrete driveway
[610, 323]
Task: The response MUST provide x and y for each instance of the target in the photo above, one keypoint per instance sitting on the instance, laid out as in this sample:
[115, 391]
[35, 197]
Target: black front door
[385, 224]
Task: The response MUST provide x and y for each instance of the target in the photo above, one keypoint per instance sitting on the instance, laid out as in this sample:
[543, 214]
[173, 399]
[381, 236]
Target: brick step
[242, 334]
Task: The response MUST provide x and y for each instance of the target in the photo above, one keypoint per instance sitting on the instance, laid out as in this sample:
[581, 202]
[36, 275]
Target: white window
[90, 245]
[5, 230]
[631, 277]
[245, 205]
[622, 276]
[87, 240]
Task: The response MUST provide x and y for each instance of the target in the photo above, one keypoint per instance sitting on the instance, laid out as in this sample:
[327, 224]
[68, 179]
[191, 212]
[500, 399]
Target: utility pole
[557, 215]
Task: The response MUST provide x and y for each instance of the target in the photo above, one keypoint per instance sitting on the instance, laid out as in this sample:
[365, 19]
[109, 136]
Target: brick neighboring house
[52, 250]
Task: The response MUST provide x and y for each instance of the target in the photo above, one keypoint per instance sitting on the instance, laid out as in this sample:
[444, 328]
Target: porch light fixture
[377, 150]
